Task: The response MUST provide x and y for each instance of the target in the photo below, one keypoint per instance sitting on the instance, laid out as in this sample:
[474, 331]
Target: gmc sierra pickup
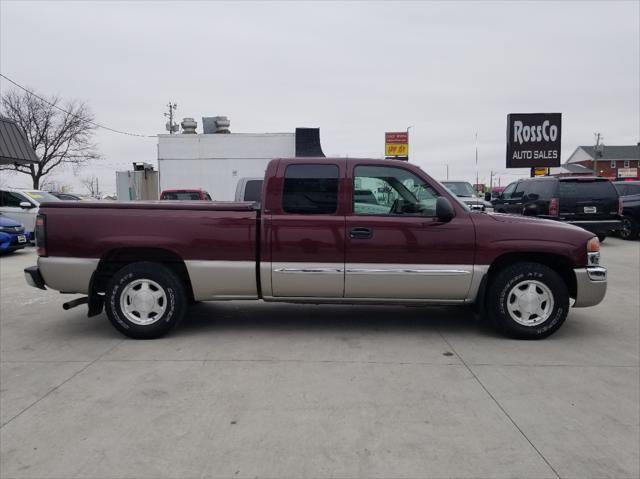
[312, 240]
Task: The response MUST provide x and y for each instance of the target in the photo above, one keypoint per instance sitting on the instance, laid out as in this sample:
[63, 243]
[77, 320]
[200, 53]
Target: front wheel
[601, 237]
[528, 301]
[145, 300]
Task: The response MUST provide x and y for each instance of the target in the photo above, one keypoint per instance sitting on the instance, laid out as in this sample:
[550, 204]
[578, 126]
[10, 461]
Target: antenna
[171, 126]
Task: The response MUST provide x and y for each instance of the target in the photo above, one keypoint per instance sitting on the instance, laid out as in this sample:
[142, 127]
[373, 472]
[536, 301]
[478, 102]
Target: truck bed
[202, 230]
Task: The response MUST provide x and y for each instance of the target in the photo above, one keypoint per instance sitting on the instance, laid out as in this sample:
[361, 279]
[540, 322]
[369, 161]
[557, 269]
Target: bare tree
[58, 137]
[91, 184]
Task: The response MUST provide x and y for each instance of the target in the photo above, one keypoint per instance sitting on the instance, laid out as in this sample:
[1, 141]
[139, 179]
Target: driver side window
[384, 190]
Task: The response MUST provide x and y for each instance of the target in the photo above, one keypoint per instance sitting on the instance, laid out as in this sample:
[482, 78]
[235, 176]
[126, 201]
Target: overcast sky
[355, 70]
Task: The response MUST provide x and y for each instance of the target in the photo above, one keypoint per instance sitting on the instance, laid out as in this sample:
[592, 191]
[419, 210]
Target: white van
[23, 205]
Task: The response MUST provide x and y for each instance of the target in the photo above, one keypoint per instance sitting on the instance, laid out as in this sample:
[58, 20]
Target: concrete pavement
[267, 390]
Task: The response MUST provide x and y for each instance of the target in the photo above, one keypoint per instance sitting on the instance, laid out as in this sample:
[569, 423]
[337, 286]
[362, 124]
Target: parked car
[630, 193]
[66, 196]
[464, 190]
[12, 235]
[22, 205]
[313, 241]
[249, 189]
[185, 194]
[589, 202]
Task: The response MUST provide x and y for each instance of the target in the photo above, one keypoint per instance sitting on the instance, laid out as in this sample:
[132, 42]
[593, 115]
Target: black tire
[164, 281]
[601, 237]
[630, 229]
[502, 289]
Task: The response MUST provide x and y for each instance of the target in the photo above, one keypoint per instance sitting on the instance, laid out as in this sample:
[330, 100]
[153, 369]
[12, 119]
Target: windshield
[460, 188]
[41, 196]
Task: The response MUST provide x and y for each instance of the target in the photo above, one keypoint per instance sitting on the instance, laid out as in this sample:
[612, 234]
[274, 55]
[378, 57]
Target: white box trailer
[215, 162]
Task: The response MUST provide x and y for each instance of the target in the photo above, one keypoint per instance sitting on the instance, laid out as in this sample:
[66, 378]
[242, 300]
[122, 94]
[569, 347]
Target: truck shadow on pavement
[204, 317]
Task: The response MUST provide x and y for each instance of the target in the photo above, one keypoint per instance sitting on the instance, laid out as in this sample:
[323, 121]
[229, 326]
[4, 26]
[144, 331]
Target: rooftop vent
[215, 124]
[189, 126]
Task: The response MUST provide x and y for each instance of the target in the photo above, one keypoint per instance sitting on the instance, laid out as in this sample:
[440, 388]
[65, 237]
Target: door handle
[361, 233]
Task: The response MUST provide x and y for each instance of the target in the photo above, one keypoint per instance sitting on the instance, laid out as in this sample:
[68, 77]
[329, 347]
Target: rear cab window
[311, 189]
[253, 190]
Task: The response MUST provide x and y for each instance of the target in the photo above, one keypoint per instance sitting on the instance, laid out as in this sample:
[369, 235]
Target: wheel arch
[118, 258]
[558, 263]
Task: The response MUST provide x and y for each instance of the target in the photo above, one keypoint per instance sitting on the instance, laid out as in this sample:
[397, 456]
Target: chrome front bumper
[591, 285]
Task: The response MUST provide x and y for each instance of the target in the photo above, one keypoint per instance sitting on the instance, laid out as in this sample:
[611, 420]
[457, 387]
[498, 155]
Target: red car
[185, 194]
[316, 238]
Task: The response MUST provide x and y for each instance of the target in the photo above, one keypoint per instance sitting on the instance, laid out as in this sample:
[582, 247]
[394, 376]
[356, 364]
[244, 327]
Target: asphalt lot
[260, 390]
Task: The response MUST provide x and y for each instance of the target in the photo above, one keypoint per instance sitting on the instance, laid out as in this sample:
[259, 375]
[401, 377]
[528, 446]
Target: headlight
[593, 252]
[11, 229]
[488, 209]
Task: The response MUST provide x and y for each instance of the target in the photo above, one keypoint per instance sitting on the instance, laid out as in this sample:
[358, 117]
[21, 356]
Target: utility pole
[97, 187]
[477, 182]
[596, 150]
[408, 128]
[170, 125]
[447, 171]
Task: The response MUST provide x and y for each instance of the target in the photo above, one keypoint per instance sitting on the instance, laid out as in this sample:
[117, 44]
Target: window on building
[627, 163]
[310, 189]
[613, 164]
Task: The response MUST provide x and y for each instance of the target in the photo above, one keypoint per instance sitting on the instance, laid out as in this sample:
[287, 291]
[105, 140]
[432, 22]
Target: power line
[97, 125]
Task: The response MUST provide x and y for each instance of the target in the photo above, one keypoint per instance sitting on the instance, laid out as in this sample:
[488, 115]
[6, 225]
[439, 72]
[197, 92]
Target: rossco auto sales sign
[533, 139]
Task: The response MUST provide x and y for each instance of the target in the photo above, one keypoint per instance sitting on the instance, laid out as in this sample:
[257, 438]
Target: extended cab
[317, 238]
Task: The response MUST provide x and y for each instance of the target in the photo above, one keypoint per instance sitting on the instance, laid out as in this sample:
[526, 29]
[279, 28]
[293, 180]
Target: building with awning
[14, 146]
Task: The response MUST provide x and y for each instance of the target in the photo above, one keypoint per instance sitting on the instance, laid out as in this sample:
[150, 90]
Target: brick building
[606, 161]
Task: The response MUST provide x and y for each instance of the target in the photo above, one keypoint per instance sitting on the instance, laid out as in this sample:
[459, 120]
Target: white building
[216, 160]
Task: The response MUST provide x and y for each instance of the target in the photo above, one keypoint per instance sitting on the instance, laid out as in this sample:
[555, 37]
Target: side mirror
[444, 209]
[25, 205]
[487, 196]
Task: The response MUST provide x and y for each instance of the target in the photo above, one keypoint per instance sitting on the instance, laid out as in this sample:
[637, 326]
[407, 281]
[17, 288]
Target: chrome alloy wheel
[530, 303]
[143, 302]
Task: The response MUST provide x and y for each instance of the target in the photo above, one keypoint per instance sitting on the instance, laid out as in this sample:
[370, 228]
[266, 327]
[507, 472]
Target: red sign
[396, 137]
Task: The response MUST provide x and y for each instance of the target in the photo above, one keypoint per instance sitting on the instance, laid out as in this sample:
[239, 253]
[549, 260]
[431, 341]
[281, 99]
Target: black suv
[630, 193]
[589, 202]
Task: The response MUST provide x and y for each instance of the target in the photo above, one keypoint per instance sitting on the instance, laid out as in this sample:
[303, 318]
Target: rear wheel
[145, 300]
[630, 229]
[528, 301]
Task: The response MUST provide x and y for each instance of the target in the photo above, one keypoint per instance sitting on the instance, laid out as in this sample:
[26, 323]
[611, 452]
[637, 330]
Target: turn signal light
[593, 246]
[553, 207]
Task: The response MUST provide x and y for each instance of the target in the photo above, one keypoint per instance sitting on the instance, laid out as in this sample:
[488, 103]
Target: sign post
[396, 145]
[533, 140]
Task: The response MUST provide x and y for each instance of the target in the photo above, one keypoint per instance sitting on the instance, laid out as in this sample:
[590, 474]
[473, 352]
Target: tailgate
[587, 199]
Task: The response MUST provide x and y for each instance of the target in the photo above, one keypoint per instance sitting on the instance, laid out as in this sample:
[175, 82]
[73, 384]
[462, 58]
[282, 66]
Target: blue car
[12, 235]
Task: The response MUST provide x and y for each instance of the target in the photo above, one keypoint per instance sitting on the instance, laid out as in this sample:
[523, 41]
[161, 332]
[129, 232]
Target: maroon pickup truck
[326, 231]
